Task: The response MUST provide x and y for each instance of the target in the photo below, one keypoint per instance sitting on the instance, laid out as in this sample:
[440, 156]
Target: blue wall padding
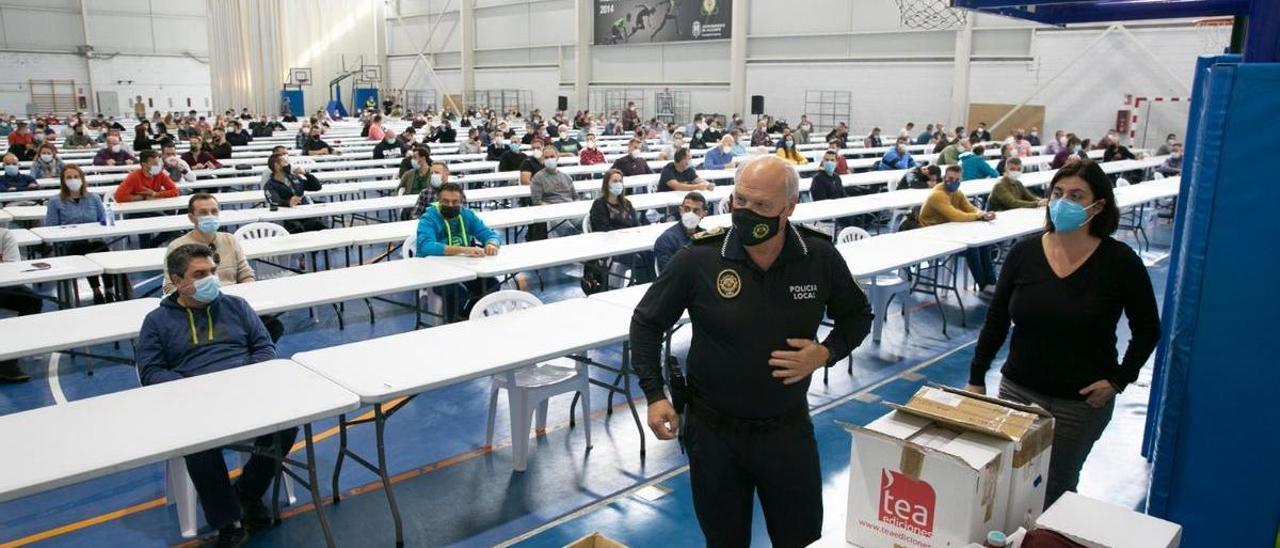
[1216, 452]
[296, 106]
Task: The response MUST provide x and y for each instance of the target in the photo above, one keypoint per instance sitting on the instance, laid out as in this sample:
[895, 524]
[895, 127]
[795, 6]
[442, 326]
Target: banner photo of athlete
[619, 22]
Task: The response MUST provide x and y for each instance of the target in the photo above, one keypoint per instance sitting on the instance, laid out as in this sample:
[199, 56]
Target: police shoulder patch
[709, 235]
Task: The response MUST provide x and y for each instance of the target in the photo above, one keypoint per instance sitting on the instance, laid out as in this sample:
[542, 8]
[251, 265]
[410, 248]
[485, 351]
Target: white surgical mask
[154, 169]
[634, 153]
[74, 185]
[690, 220]
[115, 148]
[46, 157]
[551, 162]
[1013, 175]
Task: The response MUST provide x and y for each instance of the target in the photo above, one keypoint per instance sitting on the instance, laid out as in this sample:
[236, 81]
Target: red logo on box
[906, 503]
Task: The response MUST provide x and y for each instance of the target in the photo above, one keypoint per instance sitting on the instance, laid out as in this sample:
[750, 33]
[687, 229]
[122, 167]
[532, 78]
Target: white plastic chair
[435, 303]
[530, 386]
[1121, 181]
[259, 230]
[882, 288]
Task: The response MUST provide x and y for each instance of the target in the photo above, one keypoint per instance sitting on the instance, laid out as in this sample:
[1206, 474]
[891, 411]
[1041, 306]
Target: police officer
[756, 294]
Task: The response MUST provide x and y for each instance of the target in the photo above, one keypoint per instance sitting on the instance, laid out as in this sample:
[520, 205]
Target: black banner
[647, 21]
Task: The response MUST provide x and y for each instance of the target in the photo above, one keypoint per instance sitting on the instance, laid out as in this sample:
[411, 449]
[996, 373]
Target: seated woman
[787, 151]
[612, 211]
[1009, 193]
[946, 204]
[74, 204]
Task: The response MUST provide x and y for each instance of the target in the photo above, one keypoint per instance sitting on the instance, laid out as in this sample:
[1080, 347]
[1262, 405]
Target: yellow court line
[153, 503]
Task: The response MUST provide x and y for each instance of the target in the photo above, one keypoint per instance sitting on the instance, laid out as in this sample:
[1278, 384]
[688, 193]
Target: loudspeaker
[757, 104]
[562, 103]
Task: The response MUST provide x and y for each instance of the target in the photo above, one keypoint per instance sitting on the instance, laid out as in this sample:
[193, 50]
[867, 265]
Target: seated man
[198, 157]
[113, 153]
[897, 157]
[946, 204]
[511, 159]
[1173, 164]
[79, 139]
[177, 169]
[196, 331]
[287, 187]
[974, 165]
[231, 265]
[826, 185]
[692, 211]
[149, 182]
[679, 175]
[314, 145]
[632, 163]
[237, 136]
[390, 146]
[447, 228]
[590, 154]
[439, 173]
[720, 157]
[220, 148]
[18, 298]
[1009, 192]
[566, 144]
[13, 179]
[552, 186]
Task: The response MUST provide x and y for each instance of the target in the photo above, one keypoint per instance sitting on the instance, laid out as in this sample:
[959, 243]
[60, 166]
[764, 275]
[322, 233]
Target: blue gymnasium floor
[453, 492]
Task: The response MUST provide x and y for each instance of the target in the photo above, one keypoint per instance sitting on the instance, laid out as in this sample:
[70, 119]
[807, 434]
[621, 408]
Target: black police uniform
[744, 430]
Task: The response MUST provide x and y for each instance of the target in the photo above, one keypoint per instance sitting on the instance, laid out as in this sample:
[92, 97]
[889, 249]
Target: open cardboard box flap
[979, 413]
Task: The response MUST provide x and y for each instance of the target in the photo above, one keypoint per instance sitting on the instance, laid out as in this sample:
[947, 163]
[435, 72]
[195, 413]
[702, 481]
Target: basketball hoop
[1215, 34]
[930, 14]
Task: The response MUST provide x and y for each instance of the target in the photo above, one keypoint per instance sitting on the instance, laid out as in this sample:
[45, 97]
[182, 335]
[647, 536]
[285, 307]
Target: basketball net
[1214, 34]
[930, 14]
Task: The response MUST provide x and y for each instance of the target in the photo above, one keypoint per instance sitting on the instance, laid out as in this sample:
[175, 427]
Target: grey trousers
[1077, 425]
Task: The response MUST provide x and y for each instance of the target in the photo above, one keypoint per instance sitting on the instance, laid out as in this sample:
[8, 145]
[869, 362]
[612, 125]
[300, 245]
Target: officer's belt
[716, 420]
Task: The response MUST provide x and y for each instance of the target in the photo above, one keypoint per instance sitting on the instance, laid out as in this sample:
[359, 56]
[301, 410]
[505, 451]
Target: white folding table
[94, 437]
[383, 370]
[63, 270]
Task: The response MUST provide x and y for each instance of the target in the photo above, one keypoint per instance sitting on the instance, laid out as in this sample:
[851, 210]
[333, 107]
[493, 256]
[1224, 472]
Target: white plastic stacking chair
[882, 287]
[435, 303]
[530, 387]
[258, 230]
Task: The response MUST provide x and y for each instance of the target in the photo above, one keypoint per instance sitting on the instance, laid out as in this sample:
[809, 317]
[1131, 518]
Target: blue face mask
[515, 147]
[208, 224]
[207, 289]
[11, 170]
[615, 189]
[1066, 215]
[829, 167]
[952, 185]
[413, 162]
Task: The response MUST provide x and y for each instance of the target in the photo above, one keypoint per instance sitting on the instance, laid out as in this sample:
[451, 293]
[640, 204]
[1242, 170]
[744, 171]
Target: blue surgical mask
[515, 147]
[551, 163]
[208, 224]
[436, 181]
[207, 289]
[829, 167]
[790, 144]
[615, 189]
[1066, 215]
[414, 163]
[11, 170]
[952, 185]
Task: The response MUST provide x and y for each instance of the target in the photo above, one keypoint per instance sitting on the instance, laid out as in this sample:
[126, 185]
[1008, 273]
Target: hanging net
[930, 14]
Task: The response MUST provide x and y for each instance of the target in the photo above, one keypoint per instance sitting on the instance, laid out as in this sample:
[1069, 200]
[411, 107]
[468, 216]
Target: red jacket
[137, 180]
[16, 138]
[590, 156]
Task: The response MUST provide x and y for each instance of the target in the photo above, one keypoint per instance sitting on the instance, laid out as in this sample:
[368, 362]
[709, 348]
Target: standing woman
[74, 204]
[1064, 290]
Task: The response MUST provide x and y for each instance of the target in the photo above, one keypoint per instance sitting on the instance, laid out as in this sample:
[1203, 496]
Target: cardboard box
[1028, 427]
[595, 540]
[1098, 524]
[917, 482]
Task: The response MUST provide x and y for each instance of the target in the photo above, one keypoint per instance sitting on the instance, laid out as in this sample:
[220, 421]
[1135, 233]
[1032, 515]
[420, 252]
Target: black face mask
[754, 229]
[450, 212]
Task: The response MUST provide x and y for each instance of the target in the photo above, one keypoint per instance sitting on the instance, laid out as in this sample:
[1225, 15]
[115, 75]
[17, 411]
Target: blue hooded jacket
[434, 232]
[976, 167]
[178, 342]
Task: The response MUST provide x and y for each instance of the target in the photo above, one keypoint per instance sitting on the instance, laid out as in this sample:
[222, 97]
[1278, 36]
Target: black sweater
[1065, 333]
